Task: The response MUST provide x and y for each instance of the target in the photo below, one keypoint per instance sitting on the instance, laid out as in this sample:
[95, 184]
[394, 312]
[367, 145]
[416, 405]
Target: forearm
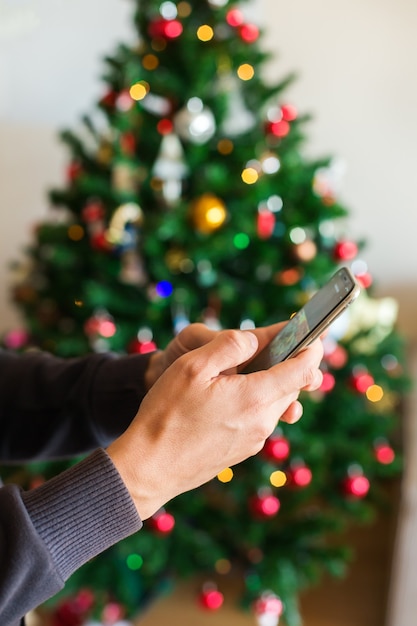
[51, 407]
[49, 532]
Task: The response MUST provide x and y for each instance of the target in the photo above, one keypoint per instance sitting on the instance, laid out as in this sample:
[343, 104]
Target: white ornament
[239, 119]
[195, 122]
[170, 168]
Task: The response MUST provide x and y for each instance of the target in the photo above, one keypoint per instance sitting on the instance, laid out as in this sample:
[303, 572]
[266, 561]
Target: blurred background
[355, 63]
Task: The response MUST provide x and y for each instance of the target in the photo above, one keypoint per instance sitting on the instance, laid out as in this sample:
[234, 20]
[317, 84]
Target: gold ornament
[208, 213]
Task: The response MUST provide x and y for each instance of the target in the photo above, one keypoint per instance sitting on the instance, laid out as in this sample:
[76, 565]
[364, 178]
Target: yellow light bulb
[245, 71]
[278, 478]
[150, 61]
[205, 32]
[250, 175]
[374, 393]
[139, 90]
[226, 475]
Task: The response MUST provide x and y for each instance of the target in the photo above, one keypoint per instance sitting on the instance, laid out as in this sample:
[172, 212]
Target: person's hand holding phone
[196, 419]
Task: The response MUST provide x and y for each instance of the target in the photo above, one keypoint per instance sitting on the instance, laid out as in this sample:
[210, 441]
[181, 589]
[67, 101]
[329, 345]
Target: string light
[278, 478]
[225, 146]
[205, 32]
[134, 561]
[241, 241]
[139, 90]
[374, 393]
[250, 175]
[245, 71]
[75, 232]
[226, 475]
[150, 62]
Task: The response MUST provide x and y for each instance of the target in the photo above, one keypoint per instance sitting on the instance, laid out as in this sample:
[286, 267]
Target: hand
[196, 420]
[192, 337]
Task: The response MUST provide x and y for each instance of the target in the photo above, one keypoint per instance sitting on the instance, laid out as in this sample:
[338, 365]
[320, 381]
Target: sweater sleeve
[53, 408]
[49, 532]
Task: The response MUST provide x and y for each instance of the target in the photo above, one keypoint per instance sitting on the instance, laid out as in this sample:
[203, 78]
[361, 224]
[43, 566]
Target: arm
[52, 407]
[49, 532]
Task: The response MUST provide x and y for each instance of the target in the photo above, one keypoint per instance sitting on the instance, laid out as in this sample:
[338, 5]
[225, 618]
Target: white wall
[355, 60]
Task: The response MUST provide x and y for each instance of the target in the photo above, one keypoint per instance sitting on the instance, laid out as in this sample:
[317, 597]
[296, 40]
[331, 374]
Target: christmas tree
[188, 198]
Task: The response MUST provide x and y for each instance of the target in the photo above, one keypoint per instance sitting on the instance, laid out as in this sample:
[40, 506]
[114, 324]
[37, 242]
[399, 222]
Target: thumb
[228, 349]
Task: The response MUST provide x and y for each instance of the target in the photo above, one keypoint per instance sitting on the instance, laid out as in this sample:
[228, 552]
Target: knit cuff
[82, 512]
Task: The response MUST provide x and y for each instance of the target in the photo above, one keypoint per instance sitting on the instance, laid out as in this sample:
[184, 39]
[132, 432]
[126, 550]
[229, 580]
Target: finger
[292, 375]
[265, 334]
[194, 336]
[228, 349]
[293, 413]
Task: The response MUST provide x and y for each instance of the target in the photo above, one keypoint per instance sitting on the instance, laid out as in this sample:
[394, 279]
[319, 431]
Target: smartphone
[310, 321]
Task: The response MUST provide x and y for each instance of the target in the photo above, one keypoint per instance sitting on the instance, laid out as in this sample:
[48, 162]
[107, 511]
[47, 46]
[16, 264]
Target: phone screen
[310, 321]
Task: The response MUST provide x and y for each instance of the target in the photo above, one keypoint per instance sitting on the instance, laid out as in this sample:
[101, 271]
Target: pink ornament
[299, 475]
[249, 32]
[289, 112]
[234, 17]
[356, 486]
[162, 522]
[279, 128]
[264, 505]
[384, 453]
[266, 224]
[211, 598]
[345, 250]
[328, 382]
[268, 609]
[16, 339]
[276, 448]
[361, 381]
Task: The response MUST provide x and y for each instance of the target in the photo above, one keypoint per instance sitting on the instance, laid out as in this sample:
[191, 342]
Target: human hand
[196, 420]
[192, 337]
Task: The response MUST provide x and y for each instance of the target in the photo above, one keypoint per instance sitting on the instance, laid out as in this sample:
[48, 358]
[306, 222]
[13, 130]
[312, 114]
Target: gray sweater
[55, 408]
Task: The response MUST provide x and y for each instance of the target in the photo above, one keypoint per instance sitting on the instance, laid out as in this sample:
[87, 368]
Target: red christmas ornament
[112, 613]
[264, 505]
[278, 128]
[234, 17]
[276, 448]
[328, 382]
[93, 211]
[345, 250]
[165, 126]
[289, 112]
[356, 486]
[365, 280]
[265, 224]
[109, 99]
[74, 169]
[162, 28]
[128, 143]
[299, 475]
[162, 522]
[268, 604]
[249, 32]
[141, 347]
[384, 453]
[99, 242]
[211, 598]
[361, 381]
[337, 357]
